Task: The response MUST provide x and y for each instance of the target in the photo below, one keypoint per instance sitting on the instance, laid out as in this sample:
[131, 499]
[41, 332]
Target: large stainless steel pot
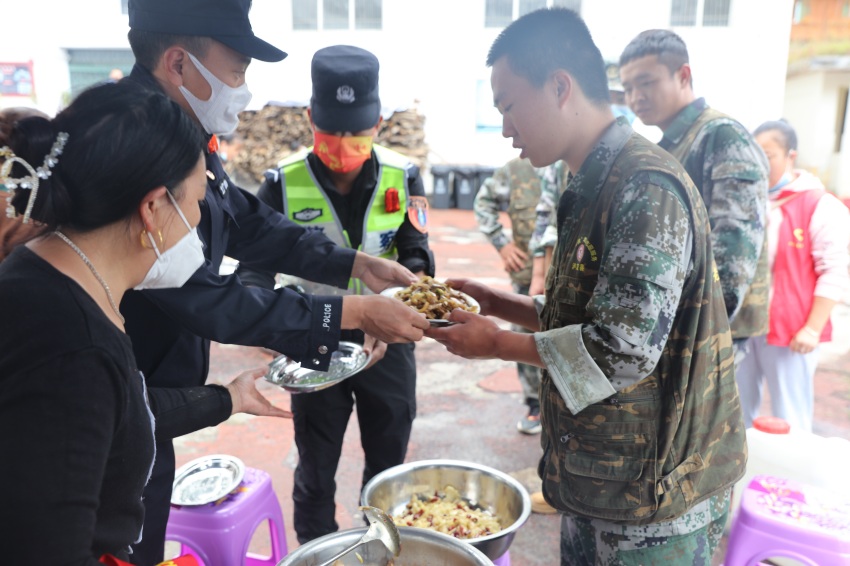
[486, 487]
[419, 547]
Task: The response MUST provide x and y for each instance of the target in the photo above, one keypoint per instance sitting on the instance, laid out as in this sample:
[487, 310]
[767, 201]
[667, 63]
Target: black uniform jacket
[171, 329]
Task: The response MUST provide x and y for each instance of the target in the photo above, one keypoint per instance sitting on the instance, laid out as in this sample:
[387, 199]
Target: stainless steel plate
[345, 362]
[476, 308]
[206, 479]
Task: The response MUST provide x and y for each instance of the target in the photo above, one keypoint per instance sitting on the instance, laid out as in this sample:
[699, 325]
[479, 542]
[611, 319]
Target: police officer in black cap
[366, 197]
[197, 52]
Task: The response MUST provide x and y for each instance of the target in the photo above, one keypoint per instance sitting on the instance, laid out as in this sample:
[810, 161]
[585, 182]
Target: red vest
[794, 276]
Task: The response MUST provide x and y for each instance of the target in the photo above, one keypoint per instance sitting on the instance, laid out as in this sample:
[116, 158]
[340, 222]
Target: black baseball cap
[345, 89]
[226, 21]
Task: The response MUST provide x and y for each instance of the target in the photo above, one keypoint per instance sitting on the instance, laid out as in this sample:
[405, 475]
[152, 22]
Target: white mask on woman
[174, 266]
[220, 114]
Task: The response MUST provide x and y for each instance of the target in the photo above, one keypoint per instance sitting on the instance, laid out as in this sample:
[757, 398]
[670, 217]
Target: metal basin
[485, 487]
[419, 547]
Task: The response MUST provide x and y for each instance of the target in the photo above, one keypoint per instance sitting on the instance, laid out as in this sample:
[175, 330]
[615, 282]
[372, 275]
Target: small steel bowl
[206, 479]
[484, 487]
[348, 360]
[419, 547]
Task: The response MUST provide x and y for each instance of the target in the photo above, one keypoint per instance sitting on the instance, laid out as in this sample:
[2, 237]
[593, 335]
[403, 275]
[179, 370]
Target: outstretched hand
[386, 319]
[473, 336]
[246, 398]
[378, 273]
[479, 291]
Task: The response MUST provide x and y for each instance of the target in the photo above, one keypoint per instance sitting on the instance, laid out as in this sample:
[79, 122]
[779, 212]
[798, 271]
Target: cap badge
[345, 94]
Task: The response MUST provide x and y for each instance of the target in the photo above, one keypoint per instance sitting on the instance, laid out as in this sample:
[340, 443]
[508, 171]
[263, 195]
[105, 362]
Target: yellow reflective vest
[306, 202]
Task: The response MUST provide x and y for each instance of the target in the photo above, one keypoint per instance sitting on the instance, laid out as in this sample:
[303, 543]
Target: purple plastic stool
[219, 533]
[784, 518]
[503, 560]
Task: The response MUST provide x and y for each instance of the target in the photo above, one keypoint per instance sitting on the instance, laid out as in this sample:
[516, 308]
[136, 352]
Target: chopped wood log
[275, 132]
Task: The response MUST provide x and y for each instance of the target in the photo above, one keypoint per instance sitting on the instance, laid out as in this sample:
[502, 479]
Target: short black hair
[786, 133]
[148, 46]
[545, 40]
[665, 44]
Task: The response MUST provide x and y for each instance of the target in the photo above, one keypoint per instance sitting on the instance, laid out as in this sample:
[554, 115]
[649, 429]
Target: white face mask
[220, 114]
[174, 266]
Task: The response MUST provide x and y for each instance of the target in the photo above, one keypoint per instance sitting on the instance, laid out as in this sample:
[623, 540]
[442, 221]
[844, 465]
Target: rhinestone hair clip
[31, 180]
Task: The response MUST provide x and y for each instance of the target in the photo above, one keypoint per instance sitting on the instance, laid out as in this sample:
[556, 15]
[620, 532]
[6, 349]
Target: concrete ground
[467, 410]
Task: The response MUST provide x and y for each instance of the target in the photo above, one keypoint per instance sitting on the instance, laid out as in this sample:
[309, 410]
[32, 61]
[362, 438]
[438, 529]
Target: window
[500, 13]
[88, 67]
[526, 6]
[367, 14]
[707, 13]
[337, 14]
[683, 13]
[305, 14]
[801, 10]
[715, 13]
[574, 5]
[125, 7]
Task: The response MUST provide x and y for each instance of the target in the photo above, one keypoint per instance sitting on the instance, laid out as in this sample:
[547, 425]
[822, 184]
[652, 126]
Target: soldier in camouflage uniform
[642, 430]
[515, 186]
[725, 162]
[553, 181]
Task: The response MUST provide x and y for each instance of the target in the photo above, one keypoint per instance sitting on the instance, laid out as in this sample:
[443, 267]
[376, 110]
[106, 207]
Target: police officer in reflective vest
[369, 198]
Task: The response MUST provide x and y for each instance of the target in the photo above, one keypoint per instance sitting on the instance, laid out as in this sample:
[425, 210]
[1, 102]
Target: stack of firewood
[274, 132]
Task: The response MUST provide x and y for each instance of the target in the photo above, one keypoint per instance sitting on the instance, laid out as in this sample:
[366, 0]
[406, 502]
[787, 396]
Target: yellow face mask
[342, 153]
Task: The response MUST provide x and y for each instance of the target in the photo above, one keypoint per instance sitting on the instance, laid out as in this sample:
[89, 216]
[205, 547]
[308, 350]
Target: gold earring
[146, 242]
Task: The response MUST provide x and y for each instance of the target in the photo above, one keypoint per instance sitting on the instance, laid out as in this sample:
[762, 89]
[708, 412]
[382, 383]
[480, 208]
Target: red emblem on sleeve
[417, 212]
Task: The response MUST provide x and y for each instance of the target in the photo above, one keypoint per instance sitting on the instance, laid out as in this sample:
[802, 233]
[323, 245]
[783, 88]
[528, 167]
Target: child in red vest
[808, 237]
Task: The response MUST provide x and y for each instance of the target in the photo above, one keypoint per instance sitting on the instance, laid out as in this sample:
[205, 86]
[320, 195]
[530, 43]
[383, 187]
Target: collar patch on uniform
[307, 214]
[417, 212]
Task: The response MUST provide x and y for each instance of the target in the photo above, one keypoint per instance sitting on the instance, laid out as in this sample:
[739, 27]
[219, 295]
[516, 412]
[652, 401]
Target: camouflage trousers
[690, 539]
[529, 376]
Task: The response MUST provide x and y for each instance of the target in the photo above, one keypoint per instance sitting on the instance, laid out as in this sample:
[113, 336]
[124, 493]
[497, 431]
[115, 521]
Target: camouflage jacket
[515, 186]
[553, 181]
[730, 172]
[640, 410]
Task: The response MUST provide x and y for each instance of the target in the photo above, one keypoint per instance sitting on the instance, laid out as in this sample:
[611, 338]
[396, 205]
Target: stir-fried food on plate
[447, 512]
[435, 299]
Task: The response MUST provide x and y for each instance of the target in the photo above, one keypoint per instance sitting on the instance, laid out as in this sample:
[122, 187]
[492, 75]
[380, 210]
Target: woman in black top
[119, 201]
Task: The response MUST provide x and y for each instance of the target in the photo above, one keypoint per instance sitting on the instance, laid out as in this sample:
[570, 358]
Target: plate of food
[348, 360]
[206, 479]
[433, 298]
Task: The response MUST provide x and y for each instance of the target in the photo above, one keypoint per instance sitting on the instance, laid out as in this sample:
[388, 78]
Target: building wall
[821, 20]
[811, 107]
[433, 55]
[837, 175]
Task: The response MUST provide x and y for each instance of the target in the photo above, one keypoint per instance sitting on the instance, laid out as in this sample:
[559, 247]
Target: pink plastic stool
[219, 533]
[503, 560]
[784, 518]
